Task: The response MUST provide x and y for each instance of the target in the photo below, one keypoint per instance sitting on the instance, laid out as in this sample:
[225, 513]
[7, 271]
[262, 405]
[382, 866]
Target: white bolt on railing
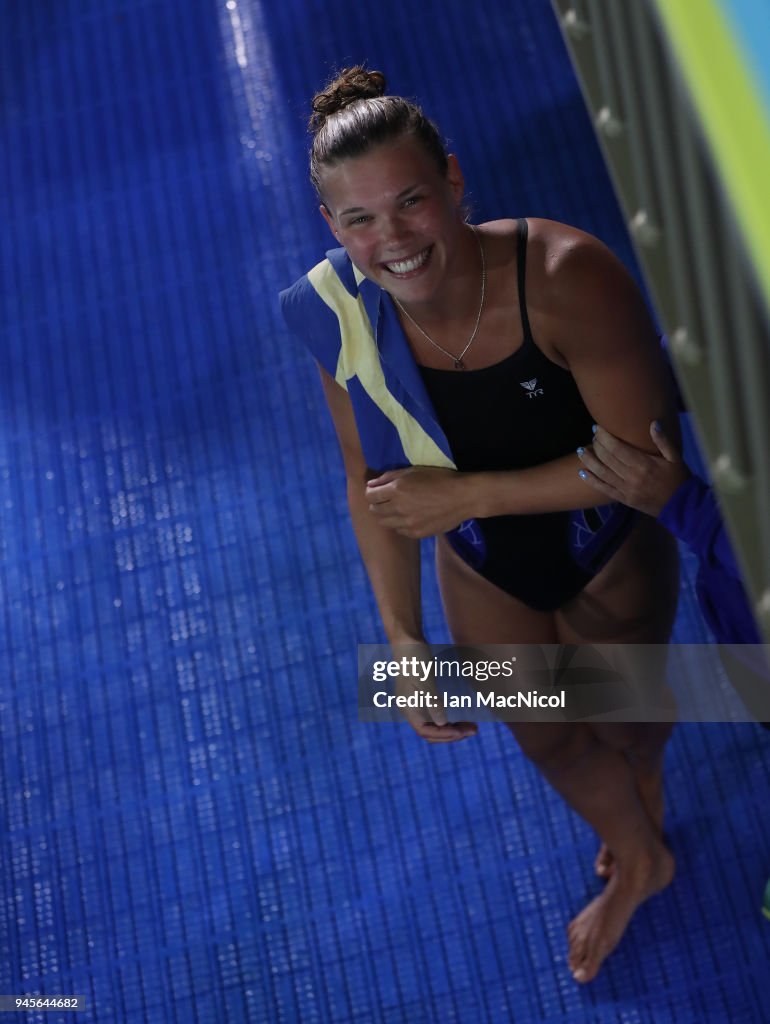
[686, 348]
[726, 475]
[644, 230]
[608, 124]
[574, 25]
[762, 608]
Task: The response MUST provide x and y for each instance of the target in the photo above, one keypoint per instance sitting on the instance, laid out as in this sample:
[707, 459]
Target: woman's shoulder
[551, 245]
[560, 243]
[504, 228]
[539, 229]
[568, 265]
[562, 262]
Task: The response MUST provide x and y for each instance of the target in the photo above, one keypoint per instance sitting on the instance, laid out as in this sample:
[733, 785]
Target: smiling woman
[463, 366]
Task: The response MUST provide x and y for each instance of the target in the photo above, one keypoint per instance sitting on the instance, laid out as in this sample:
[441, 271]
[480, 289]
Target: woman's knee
[552, 747]
[621, 737]
[649, 744]
[641, 742]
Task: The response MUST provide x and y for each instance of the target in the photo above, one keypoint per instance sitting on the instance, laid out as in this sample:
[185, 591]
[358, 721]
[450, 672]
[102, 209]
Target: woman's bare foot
[599, 927]
[649, 785]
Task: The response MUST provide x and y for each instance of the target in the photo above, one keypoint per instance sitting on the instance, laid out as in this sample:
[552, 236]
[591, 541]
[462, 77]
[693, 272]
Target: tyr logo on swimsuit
[531, 387]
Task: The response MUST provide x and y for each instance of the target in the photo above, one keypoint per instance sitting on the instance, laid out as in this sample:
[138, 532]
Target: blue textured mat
[195, 828]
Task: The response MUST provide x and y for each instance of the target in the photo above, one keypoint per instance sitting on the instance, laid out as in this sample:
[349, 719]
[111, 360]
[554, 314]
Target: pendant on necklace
[459, 364]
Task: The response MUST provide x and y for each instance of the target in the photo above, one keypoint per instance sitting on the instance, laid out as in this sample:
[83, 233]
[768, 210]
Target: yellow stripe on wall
[730, 107]
[359, 353]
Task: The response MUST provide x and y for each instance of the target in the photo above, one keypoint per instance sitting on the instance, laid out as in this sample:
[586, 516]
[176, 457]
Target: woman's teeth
[407, 266]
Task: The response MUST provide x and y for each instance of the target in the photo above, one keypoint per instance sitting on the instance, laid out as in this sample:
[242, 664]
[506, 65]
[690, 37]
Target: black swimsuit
[522, 412]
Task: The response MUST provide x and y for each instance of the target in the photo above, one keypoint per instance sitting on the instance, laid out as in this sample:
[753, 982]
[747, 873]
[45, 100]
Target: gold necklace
[458, 360]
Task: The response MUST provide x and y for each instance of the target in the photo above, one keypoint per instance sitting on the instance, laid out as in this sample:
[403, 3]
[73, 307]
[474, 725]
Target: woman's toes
[583, 966]
[576, 953]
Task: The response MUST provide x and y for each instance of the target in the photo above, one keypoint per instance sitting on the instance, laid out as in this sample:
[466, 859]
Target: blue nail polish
[581, 451]
[594, 428]
[657, 427]
[582, 474]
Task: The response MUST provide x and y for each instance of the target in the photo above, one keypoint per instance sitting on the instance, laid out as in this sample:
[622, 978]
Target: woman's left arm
[589, 312]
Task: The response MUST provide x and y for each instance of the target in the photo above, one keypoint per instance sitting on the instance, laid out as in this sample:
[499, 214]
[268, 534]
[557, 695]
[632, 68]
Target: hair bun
[350, 85]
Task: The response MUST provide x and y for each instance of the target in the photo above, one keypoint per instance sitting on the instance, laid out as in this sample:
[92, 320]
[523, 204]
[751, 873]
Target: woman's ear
[327, 216]
[455, 179]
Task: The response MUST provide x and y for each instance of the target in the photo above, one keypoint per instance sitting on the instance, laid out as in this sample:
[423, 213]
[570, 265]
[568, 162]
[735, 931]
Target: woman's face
[397, 216]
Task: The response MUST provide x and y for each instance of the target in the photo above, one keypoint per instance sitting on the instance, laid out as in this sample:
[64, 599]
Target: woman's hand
[632, 477]
[420, 501]
[430, 723]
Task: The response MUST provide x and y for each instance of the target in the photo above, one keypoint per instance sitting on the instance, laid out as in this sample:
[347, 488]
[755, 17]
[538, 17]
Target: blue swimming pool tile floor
[194, 825]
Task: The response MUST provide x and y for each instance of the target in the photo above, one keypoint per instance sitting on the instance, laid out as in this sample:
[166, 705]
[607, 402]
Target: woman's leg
[631, 601]
[598, 782]
[594, 777]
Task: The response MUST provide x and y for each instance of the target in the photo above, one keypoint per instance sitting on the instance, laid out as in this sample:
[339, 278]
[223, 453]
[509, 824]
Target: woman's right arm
[392, 561]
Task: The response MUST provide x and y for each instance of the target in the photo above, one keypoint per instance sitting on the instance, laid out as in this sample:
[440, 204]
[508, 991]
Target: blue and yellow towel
[350, 326]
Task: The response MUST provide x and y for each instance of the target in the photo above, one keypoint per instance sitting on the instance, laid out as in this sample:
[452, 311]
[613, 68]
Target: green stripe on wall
[730, 107]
